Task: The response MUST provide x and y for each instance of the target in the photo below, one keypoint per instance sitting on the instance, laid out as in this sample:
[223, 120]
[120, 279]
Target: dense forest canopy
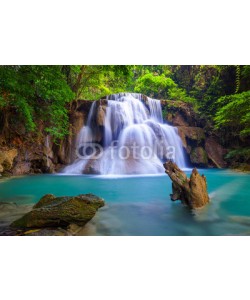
[220, 94]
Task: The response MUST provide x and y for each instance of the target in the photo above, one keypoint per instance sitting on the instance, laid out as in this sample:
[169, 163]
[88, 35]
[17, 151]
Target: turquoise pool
[141, 205]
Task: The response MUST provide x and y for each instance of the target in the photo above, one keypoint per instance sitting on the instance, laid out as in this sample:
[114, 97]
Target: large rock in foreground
[191, 191]
[53, 211]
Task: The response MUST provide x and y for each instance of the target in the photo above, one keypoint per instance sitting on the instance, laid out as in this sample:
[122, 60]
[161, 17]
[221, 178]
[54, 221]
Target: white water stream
[135, 139]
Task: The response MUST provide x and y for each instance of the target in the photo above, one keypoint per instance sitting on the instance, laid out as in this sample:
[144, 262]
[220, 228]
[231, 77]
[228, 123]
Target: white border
[125, 268]
[124, 32]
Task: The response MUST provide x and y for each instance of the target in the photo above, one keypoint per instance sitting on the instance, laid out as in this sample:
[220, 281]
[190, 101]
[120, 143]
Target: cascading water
[133, 137]
[47, 146]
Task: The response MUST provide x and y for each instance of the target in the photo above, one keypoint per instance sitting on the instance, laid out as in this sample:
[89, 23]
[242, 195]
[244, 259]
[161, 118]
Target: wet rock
[241, 167]
[71, 230]
[65, 153]
[179, 113]
[215, 152]
[39, 166]
[21, 168]
[178, 120]
[6, 207]
[33, 158]
[88, 229]
[101, 113]
[91, 168]
[6, 159]
[193, 140]
[191, 191]
[45, 200]
[195, 132]
[198, 157]
[46, 232]
[39, 153]
[93, 165]
[53, 211]
[244, 220]
[10, 211]
[193, 136]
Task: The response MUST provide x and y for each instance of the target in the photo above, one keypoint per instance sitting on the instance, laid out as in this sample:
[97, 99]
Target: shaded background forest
[219, 94]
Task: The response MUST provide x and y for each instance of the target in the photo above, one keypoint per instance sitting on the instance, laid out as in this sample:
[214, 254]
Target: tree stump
[190, 191]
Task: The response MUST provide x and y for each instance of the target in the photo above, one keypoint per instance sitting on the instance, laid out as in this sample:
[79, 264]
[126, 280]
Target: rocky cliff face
[22, 153]
[6, 159]
[202, 147]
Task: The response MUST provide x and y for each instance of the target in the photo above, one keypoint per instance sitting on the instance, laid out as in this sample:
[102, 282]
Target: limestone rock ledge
[6, 159]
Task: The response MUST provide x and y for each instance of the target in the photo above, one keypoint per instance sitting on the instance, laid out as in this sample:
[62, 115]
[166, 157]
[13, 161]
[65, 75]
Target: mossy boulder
[53, 211]
[45, 200]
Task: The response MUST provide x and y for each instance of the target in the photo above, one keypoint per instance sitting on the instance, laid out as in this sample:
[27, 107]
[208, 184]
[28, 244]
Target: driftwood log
[191, 191]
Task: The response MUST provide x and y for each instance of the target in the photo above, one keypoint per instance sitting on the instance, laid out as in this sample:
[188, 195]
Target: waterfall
[47, 147]
[130, 139]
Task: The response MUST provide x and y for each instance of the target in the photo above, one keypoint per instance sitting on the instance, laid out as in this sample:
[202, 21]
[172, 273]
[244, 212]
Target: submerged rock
[9, 212]
[244, 220]
[191, 191]
[53, 211]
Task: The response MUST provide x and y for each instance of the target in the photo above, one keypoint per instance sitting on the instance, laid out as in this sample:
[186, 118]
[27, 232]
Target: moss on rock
[53, 211]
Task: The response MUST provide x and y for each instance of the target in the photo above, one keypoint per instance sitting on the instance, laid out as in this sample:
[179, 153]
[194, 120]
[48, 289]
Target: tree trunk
[78, 82]
[191, 191]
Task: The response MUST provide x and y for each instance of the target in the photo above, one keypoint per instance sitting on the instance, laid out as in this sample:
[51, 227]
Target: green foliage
[246, 72]
[41, 93]
[234, 112]
[154, 85]
[160, 86]
[94, 82]
[220, 94]
[59, 126]
[237, 79]
[36, 93]
[26, 111]
[179, 94]
[240, 154]
[33, 94]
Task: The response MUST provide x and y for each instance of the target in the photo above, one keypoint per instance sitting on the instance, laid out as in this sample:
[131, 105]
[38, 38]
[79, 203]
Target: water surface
[141, 205]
